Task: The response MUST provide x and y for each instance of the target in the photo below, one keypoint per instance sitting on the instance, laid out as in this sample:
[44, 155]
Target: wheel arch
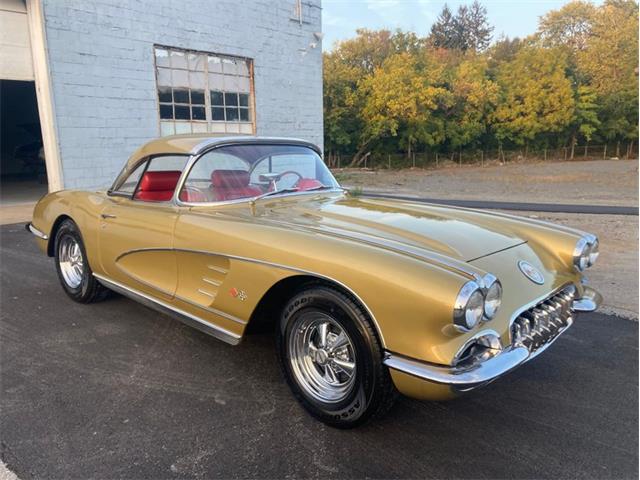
[268, 308]
[52, 235]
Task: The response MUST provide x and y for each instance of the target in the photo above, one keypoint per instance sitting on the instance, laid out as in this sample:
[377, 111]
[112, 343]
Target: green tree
[536, 96]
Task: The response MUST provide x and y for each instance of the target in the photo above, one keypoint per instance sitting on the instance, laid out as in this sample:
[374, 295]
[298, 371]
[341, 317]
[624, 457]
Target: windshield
[237, 172]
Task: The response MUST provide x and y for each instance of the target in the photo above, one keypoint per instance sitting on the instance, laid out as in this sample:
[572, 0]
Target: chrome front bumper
[462, 379]
[30, 228]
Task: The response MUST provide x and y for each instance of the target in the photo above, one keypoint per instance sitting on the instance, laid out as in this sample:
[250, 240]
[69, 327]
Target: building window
[203, 92]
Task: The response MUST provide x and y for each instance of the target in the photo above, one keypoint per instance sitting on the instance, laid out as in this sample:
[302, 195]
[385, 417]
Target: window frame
[120, 180]
[195, 158]
[208, 121]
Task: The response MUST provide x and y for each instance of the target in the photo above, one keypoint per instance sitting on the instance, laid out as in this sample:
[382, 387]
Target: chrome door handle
[107, 215]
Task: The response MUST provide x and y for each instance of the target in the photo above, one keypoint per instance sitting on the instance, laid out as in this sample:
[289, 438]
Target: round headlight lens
[585, 252]
[492, 300]
[469, 307]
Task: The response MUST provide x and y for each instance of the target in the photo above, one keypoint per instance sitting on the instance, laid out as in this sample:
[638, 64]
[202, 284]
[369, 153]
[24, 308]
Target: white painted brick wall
[102, 71]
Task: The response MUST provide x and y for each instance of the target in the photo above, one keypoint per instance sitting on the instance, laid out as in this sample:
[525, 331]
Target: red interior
[158, 186]
[307, 184]
[232, 184]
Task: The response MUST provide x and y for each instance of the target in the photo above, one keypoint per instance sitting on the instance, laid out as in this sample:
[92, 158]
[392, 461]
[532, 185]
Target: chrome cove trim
[270, 264]
[158, 305]
[466, 379]
[41, 235]
[589, 302]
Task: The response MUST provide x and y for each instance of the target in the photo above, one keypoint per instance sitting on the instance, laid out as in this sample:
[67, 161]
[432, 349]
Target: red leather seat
[158, 186]
[307, 184]
[232, 185]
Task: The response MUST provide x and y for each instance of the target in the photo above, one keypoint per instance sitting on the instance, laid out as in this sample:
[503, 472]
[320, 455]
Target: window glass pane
[197, 97]
[166, 111]
[164, 94]
[182, 113]
[231, 99]
[246, 128]
[233, 127]
[229, 66]
[244, 85]
[164, 77]
[197, 80]
[162, 57]
[217, 114]
[168, 162]
[232, 114]
[197, 61]
[180, 78]
[217, 99]
[130, 183]
[199, 127]
[217, 127]
[216, 81]
[243, 68]
[231, 84]
[215, 64]
[198, 113]
[178, 59]
[244, 100]
[180, 95]
[244, 114]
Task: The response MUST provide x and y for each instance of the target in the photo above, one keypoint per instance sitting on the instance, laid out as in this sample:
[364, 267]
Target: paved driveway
[116, 390]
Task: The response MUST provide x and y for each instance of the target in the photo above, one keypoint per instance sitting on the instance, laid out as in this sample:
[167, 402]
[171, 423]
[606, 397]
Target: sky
[341, 18]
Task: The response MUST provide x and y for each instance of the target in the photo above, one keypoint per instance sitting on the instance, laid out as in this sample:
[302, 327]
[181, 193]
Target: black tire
[372, 393]
[87, 289]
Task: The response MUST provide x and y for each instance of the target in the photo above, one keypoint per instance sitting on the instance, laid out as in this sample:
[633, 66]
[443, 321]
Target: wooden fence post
[545, 154]
[414, 159]
[482, 158]
[436, 159]
[565, 154]
[389, 161]
[586, 148]
[604, 155]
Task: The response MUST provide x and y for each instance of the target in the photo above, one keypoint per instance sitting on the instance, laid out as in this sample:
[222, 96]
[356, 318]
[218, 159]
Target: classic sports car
[367, 297]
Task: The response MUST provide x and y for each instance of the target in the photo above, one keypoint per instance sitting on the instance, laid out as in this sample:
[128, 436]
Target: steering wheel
[290, 172]
[190, 190]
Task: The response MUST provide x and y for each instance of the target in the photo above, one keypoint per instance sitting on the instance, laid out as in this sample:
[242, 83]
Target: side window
[131, 182]
[160, 179]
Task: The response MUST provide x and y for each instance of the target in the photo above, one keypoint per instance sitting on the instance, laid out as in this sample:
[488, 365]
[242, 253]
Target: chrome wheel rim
[322, 357]
[71, 261]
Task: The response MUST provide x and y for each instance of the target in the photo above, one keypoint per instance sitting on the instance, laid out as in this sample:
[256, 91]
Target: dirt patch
[600, 182]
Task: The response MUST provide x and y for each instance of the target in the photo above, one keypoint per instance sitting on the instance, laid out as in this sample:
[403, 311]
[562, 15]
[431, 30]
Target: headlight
[469, 306]
[585, 252]
[492, 297]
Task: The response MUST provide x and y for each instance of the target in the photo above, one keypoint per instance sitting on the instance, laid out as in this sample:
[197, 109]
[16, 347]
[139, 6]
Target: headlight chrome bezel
[586, 252]
[468, 292]
[491, 284]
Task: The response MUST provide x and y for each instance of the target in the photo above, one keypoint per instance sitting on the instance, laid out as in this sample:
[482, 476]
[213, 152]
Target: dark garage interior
[23, 176]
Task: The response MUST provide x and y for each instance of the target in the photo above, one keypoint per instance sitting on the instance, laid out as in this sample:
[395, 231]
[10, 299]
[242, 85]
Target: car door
[137, 227]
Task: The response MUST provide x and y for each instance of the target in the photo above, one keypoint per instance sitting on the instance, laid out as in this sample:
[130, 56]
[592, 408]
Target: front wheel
[332, 359]
[73, 268]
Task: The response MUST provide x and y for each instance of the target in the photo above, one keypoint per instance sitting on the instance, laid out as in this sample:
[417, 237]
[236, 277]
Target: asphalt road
[517, 206]
[114, 390]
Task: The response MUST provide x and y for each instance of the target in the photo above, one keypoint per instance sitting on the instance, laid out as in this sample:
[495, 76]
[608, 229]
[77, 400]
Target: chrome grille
[542, 323]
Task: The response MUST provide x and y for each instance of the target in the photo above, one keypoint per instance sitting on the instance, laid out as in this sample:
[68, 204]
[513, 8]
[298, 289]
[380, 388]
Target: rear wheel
[332, 359]
[73, 268]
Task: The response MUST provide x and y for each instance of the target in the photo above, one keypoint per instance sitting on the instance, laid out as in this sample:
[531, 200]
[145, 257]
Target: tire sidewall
[354, 409]
[69, 228]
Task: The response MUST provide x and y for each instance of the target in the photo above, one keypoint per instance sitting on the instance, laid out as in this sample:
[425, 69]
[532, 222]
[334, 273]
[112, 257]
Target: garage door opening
[23, 175]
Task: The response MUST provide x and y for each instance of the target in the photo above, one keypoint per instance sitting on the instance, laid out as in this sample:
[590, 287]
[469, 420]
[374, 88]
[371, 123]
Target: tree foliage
[575, 80]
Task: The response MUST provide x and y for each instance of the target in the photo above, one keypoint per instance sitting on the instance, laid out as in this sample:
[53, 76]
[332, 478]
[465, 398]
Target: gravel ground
[601, 182]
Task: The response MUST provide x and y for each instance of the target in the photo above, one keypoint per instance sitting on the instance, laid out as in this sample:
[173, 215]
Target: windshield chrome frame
[194, 158]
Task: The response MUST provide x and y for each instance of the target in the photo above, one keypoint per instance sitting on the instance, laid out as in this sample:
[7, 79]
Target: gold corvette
[367, 297]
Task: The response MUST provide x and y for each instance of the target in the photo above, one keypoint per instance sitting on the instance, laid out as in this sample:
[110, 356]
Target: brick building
[99, 77]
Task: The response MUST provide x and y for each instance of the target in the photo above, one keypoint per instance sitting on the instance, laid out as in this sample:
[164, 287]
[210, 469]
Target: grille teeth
[542, 323]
